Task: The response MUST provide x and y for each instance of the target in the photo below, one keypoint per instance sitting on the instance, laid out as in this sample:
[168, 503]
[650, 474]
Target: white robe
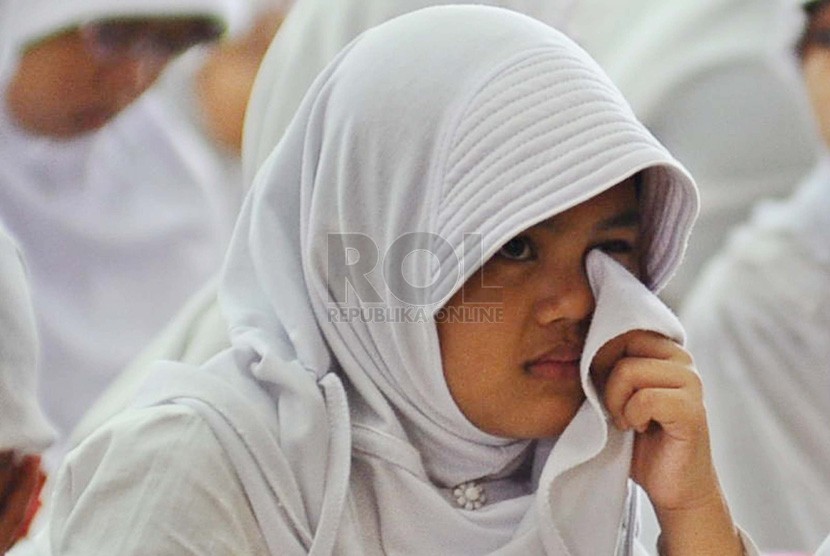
[758, 323]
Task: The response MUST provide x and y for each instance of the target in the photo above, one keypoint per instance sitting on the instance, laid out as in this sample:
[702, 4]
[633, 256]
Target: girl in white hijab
[344, 419]
[119, 225]
[309, 38]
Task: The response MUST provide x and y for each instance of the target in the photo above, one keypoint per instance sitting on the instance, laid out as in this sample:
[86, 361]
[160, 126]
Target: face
[816, 66]
[76, 82]
[519, 377]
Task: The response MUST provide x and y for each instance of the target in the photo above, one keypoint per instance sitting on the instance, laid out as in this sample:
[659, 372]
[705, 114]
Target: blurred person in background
[712, 79]
[210, 86]
[119, 212]
[758, 322]
[225, 80]
[24, 431]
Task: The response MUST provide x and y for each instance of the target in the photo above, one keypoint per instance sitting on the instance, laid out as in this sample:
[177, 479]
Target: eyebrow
[627, 219]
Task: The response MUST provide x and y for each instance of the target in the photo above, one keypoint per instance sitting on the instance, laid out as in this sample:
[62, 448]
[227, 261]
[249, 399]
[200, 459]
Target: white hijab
[447, 121]
[118, 227]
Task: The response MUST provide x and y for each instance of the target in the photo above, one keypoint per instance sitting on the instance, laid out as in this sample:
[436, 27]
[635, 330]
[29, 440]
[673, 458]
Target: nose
[131, 76]
[565, 298]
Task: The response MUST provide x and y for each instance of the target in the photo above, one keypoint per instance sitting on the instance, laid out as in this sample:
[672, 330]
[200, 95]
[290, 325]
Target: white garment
[23, 427]
[118, 227]
[399, 134]
[717, 83]
[758, 323]
[824, 549]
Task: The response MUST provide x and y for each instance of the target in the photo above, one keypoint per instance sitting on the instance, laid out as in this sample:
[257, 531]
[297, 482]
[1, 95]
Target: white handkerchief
[587, 472]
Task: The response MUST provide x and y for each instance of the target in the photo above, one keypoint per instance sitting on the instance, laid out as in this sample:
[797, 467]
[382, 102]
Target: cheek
[470, 350]
[478, 369]
[56, 81]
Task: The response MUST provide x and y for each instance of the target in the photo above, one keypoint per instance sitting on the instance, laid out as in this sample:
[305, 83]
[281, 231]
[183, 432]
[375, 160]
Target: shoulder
[148, 481]
[197, 333]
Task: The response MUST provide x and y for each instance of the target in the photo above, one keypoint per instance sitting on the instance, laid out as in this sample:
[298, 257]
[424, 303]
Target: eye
[617, 247]
[520, 248]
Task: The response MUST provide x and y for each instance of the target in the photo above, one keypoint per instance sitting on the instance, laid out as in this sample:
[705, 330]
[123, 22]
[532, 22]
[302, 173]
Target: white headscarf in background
[22, 425]
[310, 37]
[447, 121]
[758, 322]
[118, 227]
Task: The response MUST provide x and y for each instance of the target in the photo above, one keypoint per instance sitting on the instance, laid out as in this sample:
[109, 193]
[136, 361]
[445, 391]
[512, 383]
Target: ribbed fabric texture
[548, 123]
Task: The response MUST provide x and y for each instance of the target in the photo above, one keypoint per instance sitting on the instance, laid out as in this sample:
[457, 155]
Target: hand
[20, 486]
[649, 385]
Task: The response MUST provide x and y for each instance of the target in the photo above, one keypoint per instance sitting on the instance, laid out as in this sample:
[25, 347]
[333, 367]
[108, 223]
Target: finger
[644, 343]
[636, 344]
[24, 487]
[34, 501]
[677, 413]
[633, 374]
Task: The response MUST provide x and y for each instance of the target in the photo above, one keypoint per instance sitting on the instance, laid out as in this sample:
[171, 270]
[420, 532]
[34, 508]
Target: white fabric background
[118, 227]
[758, 324]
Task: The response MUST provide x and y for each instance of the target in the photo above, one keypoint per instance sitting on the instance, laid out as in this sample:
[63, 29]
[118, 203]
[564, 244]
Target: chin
[545, 424]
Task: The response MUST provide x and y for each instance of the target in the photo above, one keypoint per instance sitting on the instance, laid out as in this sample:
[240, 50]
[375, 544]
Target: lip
[556, 365]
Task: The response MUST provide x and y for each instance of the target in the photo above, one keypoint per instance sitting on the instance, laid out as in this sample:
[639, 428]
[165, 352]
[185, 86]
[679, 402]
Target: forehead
[617, 207]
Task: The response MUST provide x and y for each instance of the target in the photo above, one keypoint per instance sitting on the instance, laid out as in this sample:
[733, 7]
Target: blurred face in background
[816, 64]
[77, 81]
